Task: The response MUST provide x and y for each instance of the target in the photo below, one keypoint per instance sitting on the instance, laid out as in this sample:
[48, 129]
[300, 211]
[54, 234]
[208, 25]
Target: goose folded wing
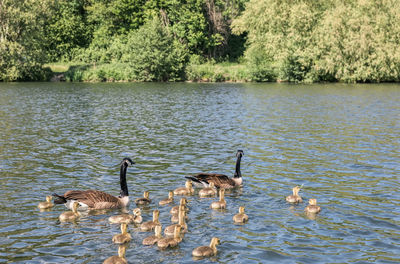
[219, 180]
[93, 199]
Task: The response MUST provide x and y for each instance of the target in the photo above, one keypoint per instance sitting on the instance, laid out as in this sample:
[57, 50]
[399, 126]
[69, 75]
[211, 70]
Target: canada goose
[136, 217]
[221, 204]
[150, 225]
[151, 240]
[70, 215]
[207, 251]
[175, 217]
[47, 204]
[93, 199]
[171, 241]
[120, 259]
[168, 200]
[187, 190]
[220, 180]
[124, 237]
[241, 217]
[312, 208]
[295, 197]
[143, 200]
[174, 210]
[208, 191]
[169, 230]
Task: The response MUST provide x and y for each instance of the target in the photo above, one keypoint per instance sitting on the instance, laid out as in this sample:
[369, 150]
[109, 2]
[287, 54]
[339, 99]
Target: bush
[154, 55]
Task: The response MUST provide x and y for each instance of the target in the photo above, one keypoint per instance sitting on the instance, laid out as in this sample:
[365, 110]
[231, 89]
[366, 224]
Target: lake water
[340, 141]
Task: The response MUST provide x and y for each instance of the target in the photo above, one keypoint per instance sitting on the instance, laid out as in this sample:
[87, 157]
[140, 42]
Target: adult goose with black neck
[220, 180]
[93, 199]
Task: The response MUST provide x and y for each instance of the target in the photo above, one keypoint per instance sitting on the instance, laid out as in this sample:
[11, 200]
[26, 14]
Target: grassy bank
[120, 72]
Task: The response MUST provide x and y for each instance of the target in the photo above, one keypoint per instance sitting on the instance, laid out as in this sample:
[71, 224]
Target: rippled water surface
[340, 141]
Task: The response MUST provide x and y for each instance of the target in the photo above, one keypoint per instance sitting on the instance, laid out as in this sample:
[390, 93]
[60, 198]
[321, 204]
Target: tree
[21, 38]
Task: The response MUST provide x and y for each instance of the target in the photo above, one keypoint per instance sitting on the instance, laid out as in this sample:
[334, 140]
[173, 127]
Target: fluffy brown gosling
[208, 191]
[47, 204]
[187, 190]
[151, 240]
[143, 200]
[150, 225]
[175, 209]
[70, 215]
[207, 251]
[120, 259]
[168, 200]
[241, 217]
[169, 230]
[171, 241]
[136, 217]
[124, 237]
[221, 204]
[295, 197]
[312, 208]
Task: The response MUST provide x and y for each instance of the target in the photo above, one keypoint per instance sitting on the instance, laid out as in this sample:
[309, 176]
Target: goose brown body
[151, 240]
[220, 180]
[295, 197]
[207, 251]
[94, 199]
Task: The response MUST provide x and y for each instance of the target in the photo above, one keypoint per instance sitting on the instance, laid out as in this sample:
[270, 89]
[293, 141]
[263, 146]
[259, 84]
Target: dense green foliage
[333, 40]
[173, 40]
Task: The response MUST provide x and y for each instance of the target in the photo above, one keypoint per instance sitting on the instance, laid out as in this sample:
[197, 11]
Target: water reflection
[340, 141]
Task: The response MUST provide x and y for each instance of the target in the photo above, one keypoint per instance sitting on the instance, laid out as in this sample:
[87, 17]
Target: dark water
[340, 141]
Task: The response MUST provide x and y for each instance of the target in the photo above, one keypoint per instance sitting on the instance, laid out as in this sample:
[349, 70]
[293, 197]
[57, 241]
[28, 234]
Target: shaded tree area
[159, 40]
[332, 40]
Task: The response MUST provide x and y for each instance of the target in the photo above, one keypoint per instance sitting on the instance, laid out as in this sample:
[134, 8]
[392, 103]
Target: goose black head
[127, 162]
[239, 152]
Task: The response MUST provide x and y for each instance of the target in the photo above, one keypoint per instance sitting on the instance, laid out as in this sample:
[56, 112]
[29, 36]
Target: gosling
[171, 241]
[169, 230]
[295, 197]
[221, 204]
[187, 190]
[151, 240]
[241, 217]
[46, 205]
[174, 210]
[312, 208]
[136, 217]
[150, 225]
[124, 237]
[143, 200]
[120, 259]
[168, 200]
[208, 191]
[70, 215]
[207, 251]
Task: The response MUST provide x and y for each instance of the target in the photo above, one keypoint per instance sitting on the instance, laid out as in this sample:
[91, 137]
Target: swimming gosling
[240, 217]
[207, 251]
